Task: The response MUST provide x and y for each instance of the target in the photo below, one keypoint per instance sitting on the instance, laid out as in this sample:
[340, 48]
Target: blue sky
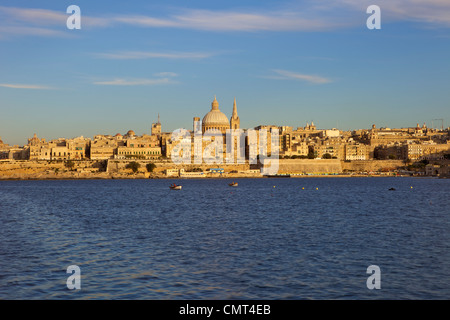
[286, 62]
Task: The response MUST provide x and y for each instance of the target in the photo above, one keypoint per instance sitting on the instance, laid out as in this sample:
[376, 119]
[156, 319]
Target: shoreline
[141, 177]
[117, 169]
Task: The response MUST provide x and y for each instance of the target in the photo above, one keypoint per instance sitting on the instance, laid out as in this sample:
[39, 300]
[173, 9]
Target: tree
[133, 166]
[311, 155]
[326, 156]
[70, 164]
[150, 167]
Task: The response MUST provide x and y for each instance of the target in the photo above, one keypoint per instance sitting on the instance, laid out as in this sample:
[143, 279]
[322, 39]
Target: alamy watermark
[240, 146]
[374, 21]
[374, 281]
[74, 21]
[74, 280]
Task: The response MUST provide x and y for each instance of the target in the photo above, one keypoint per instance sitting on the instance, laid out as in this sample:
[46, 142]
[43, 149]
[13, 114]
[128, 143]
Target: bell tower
[156, 128]
[234, 121]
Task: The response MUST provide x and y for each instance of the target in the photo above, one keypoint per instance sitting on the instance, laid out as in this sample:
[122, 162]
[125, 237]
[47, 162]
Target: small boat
[234, 184]
[391, 189]
[175, 187]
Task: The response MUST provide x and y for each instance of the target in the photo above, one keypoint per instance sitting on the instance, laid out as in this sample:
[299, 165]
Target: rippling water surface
[266, 239]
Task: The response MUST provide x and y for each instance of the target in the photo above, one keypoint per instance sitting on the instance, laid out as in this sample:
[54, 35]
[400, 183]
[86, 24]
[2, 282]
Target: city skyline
[286, 62]
[437, 124]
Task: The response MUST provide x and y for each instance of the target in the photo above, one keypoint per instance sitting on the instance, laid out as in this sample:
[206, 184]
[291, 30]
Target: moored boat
[234, 184]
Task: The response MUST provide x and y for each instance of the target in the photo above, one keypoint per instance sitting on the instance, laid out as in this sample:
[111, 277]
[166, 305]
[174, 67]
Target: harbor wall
[371, 165]
[316, 166]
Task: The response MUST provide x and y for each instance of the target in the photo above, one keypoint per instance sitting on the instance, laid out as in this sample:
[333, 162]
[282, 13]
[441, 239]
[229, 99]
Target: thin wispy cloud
[194, 19]
[135, 82]
[306, 16]
[32, 31]
[166, 74]
[317, 58]
[37, 16]
[289, 75]
[430, 12]
[32, 16]
[134, 55]
[215, 20]
[31, 22]
[41, 22]
[25, 86]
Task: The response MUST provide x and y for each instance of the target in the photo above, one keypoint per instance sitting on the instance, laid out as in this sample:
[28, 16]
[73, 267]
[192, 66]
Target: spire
[235, 115]
[234, 121]
[158, 119]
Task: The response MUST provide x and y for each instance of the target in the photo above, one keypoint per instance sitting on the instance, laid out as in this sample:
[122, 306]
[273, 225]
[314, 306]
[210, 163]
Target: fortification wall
[17, 169]
[115, 166]
[371, 165]
[309, 166]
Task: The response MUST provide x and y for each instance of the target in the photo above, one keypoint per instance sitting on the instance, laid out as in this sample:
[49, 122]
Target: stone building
[392, 151]
[38, 149]
[105, 147]
[333, 147]
[356, 151]
[128, 146]
[8, 152]
[59, 149]
[421, 151]
[144, 147]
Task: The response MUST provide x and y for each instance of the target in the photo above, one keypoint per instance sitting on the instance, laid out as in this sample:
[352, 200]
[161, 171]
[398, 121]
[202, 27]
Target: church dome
[34, 141]
[215, 119]
[131, 133]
